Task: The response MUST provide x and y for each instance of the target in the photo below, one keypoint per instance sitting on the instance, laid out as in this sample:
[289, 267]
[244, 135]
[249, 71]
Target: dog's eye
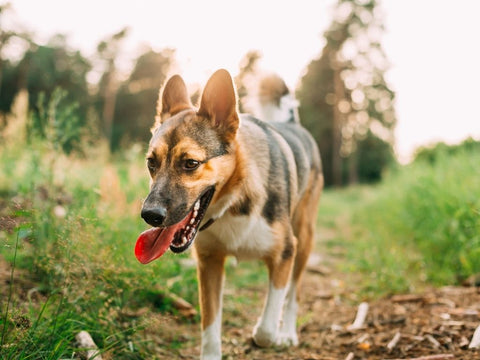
[191, 164]
[151, 164]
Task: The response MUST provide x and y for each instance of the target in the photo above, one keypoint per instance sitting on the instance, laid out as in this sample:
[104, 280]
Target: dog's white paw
[287, 339]
[263, 338]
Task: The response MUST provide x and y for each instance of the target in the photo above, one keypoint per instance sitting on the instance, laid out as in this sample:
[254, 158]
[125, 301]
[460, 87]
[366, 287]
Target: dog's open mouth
[152, 243]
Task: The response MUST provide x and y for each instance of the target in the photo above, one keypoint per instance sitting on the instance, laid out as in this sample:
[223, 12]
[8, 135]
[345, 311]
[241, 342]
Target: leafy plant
[57, 122]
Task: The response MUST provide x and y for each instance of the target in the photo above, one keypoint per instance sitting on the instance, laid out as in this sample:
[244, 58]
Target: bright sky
[432, 45]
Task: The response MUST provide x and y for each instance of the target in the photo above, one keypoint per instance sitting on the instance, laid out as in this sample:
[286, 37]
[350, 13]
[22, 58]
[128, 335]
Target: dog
[233, 185]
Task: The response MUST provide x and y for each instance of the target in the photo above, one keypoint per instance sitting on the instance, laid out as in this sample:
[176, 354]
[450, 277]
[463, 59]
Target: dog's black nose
[154, 216]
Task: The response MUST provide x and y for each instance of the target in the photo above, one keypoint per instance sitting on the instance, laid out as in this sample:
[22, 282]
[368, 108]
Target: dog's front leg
[210, 284]
[266, 331]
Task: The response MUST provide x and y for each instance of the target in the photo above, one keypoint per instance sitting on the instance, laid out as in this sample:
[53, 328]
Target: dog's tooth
[197, 206]
[184, 240]
[195, 213]
[187, 228]
[192, 220]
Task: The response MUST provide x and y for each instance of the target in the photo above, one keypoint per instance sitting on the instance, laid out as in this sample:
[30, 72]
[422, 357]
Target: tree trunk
[337, 128]
[109, 98]
[353, 168]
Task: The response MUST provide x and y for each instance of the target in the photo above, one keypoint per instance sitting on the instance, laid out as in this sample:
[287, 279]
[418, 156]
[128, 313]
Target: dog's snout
[154, 216]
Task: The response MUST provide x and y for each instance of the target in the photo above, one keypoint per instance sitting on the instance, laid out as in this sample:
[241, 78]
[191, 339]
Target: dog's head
[189, 154]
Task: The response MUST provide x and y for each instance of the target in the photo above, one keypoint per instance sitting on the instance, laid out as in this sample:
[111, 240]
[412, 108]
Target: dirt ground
[434, 325]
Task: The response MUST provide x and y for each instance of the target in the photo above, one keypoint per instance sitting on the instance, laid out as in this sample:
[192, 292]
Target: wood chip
[463, 312]
[434, 341]
[350, 356]
[463, 342]
[407, 298]
[86, 342]
[365, 346]
[453, 323]
[455, 290]
[362, 338]
[360, 318]
[396, 338]
[182, 305]
[475, 342]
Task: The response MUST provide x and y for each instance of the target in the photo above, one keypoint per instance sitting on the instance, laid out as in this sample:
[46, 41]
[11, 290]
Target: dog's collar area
[207, 224]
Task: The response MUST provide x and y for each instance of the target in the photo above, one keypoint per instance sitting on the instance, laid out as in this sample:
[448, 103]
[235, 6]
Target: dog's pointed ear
[219, 104]
[173, 99]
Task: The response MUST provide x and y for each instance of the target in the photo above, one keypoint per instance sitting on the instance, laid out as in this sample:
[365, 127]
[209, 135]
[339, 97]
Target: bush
[432, 153]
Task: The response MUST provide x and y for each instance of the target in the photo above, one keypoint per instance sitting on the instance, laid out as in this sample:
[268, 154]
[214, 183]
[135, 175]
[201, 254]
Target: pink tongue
[152, 243]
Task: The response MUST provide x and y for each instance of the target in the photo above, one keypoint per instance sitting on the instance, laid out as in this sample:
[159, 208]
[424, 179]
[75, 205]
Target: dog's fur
[257, 183]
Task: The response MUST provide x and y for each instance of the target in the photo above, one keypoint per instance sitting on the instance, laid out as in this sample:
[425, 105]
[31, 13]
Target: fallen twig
[463, 312]
[407, 298]
[434, 341]
[362, 338]
[182, 305]
[475, 342]
[396, 338]
[463, 342]
[360, 318]
[350, 356]
[86, 342]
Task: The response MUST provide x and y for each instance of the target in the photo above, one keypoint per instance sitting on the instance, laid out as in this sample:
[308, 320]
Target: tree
[316, 96]
[8, 69]
[108, 51]
[137, 97]
[344, 98]
[5, 36]
[45, 69]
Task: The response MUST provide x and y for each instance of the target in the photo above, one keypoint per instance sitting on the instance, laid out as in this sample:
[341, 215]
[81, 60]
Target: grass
[420, 226]
[72, 225]
[76, 224]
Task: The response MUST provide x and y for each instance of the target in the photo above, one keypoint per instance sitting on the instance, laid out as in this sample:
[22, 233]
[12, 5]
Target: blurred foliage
[137, 98]
[420, 226]
[64, 106]
[108, 50]
[374, 156]
[57, 121]
[8, 88]
[43, 69]
[432, 153]
[344, 99]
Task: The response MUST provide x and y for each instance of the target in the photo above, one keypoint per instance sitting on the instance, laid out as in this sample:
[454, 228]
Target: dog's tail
[275, 102]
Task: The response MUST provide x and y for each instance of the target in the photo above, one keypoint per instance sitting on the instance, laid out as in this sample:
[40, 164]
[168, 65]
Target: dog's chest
[245, 237]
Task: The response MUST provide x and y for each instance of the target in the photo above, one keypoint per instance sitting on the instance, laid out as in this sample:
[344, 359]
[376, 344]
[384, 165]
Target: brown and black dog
[238, 186]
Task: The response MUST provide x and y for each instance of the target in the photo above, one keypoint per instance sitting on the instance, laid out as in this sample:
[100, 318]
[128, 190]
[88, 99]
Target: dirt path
[434, 323]
[440, 321]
